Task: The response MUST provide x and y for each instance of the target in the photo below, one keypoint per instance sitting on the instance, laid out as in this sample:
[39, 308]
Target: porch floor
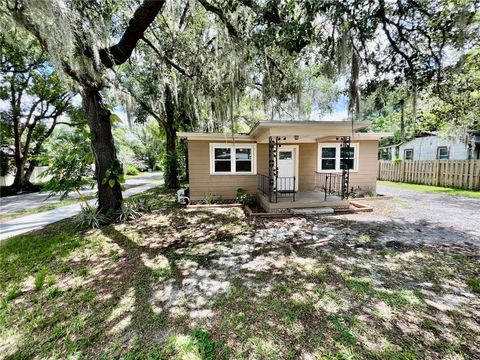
[303, 199]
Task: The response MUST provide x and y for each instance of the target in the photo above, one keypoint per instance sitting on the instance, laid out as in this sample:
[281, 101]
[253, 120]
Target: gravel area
[431, 217]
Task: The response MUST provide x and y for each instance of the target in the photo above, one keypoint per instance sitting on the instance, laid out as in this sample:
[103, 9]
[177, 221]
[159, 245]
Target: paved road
[35, 200]
[28, 223]
[446, 211]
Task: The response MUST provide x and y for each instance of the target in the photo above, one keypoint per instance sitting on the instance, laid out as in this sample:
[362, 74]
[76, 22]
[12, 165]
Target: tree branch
[166, 59]
[142, 18]
[217, 11]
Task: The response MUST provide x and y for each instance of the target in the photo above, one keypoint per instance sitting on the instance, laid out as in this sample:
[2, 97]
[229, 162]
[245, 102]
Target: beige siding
[202, 183]
[307, 166]
[366, 177]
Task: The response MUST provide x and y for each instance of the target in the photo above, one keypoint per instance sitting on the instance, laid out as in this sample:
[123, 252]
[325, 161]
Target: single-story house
[287, 164]
[434, 147]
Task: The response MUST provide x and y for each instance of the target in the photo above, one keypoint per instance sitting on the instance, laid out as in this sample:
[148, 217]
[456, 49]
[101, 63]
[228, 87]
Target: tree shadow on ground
[280, 288]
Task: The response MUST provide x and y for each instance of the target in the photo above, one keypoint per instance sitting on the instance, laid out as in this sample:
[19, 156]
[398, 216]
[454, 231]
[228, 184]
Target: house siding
[425, 148]
[366, 177]
[202, 182]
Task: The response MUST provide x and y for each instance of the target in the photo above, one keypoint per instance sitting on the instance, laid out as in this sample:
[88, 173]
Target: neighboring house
[434, 147]
[288, 164]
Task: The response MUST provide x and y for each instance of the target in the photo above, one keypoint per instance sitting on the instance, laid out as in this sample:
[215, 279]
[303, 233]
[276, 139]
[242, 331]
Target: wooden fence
[463, 174]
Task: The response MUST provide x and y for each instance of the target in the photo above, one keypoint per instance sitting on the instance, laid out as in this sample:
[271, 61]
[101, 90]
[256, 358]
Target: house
[288, 164]
[434, 147]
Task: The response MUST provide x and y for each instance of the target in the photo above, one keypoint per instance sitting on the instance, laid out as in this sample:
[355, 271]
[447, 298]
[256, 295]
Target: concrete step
[312, 211]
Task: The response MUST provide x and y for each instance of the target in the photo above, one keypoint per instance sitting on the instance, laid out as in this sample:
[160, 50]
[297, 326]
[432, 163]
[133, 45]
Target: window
[223, 162]
[330, 157]
[229, 159]
[408, 154]
[350, 161]
[442, 153]
[285, 155]
[243, 160]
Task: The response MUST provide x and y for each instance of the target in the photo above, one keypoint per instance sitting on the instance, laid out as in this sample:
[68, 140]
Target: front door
[286, 169]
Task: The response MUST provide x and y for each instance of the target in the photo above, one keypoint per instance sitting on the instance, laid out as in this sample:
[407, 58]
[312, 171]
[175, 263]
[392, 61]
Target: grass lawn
[432, 189]
[209, 284]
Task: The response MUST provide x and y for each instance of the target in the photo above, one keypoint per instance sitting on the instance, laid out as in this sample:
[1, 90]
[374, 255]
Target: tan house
[288, 164]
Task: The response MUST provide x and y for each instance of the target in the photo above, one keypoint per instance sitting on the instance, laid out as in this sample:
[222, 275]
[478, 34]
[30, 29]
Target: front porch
[281, 187]
[303, 199]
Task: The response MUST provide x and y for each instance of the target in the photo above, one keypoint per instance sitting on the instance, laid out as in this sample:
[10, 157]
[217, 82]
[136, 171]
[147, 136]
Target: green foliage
[397, 162]
[12, 293]
[370, 192]
[90, 218]
[38, 95]
[245, 198]
[40, 279]
[345, 333]
[53, 292]
[141, 145]
[209, 198]
[130, 211]
[114, 175]
[474, 284]
[50, 280]
[71, 161]
[131, 170]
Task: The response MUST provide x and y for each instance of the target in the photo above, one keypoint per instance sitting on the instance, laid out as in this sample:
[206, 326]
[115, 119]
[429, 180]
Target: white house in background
[434, 147]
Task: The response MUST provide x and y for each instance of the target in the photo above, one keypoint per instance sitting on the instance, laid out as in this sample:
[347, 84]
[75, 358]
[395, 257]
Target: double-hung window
[230, 159]
[330, 157]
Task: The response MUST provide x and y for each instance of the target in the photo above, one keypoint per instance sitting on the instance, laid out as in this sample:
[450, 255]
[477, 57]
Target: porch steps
[312, 211]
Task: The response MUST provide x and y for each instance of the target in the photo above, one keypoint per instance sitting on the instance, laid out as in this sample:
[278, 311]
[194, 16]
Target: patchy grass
[209, 284]
[432, 189]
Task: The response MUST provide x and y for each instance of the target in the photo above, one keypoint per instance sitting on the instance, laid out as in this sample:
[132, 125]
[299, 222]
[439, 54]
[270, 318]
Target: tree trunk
[19, 182]
[31, 166]
[171, 170]
[402, 120]
[98, 118]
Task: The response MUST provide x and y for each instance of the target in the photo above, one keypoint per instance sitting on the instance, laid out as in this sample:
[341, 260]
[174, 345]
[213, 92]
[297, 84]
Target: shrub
[370, 192]
[209, 198]
[40, 279]
[131, 170]
[129, 211]
[90, 218]
[245, 198]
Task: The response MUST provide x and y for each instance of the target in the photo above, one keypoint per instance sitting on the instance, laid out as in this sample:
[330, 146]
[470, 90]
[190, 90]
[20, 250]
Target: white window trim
[232, 148]
[356, 146]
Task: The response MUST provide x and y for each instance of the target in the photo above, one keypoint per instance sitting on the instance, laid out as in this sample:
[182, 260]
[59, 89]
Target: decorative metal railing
[285, 187]
[263, 184]
[279, 187]
[330, 184]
